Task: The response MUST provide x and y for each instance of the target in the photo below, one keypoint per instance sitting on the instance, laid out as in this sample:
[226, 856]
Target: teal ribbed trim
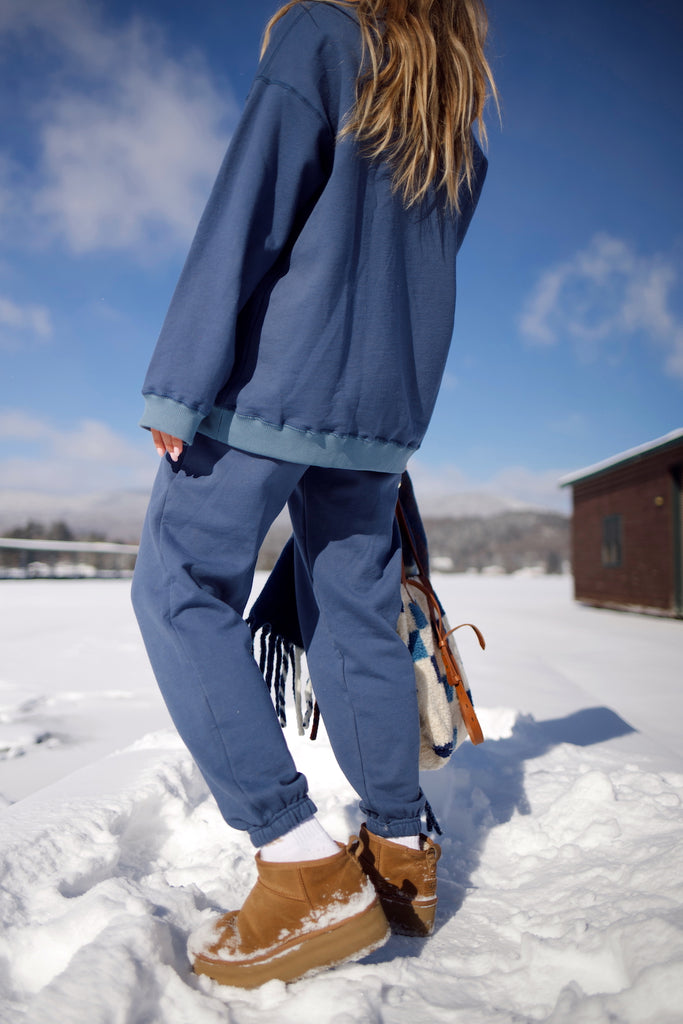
[171, 417]
[307, 447]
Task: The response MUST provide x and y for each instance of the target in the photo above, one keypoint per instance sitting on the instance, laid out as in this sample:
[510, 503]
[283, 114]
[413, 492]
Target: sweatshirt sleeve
[276, 165]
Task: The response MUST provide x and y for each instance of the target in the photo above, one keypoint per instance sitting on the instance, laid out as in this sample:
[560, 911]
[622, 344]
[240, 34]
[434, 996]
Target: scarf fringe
[431, 824]
[278, 661]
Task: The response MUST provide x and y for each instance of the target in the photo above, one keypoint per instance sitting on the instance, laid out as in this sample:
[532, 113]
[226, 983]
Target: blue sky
[568, 345]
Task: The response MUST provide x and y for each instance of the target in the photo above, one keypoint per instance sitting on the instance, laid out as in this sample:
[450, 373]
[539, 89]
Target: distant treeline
[507, 542]
[58, 530]
[26, 562]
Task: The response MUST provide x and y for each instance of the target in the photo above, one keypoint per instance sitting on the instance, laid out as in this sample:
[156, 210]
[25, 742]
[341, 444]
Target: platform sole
[408, 917]
[304, 954]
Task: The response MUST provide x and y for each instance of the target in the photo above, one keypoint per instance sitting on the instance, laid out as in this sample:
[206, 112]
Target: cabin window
[611, 541]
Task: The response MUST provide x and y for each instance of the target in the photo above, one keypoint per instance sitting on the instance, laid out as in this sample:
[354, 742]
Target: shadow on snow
[482, 787]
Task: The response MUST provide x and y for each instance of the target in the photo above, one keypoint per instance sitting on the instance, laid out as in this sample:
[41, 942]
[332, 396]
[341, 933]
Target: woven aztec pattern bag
[444, 722]
[444, 699]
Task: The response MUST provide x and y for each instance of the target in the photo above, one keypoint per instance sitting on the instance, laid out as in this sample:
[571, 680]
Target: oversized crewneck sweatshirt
[314, 314]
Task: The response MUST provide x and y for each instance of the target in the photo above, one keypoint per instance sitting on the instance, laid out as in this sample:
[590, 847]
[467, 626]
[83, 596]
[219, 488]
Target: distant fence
[21, 558]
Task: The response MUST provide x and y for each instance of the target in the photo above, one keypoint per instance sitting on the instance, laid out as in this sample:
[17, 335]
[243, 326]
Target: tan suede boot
[405, 881]
[298, 918]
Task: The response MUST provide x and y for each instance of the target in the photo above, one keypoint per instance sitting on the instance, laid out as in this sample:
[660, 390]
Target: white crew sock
[412, 842]
[307, 841]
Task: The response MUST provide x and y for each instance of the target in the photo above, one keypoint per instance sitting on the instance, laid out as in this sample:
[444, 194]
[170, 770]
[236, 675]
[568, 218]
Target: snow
[615, 460]
[561, 880]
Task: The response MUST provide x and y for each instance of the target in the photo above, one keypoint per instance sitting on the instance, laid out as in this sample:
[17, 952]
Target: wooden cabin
[627, 533]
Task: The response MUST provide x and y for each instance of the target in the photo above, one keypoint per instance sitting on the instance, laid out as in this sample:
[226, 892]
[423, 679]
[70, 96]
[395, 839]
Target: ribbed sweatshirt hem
[291, 444]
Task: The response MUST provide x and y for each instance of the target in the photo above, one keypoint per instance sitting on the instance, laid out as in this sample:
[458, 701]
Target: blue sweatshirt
[314, 314]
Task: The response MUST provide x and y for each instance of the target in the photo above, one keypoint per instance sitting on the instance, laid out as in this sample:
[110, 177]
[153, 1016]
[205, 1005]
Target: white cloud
[22, 321]
[530, 487]
[130, 136]
[447, 490]
[541, 306]
[85, 457]
[603, 296]
[90, 456]
[17, 425]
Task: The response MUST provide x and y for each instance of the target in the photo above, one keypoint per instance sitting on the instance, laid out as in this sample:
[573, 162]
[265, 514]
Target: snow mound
[560, 884]
[560, 890]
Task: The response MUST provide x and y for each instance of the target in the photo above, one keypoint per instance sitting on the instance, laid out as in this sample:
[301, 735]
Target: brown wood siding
[641, 493]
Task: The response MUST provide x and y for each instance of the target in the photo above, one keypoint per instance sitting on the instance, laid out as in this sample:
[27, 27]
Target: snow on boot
[299, 918]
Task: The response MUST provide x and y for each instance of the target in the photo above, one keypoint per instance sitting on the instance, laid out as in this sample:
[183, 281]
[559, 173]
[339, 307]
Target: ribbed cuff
[171, 417]
[287, 819]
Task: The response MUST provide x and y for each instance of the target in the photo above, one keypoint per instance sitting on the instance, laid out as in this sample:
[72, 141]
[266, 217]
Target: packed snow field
[561, 880]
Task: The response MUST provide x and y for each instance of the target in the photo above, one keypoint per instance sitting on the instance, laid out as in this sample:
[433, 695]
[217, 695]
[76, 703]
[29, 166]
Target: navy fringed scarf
[274, 621]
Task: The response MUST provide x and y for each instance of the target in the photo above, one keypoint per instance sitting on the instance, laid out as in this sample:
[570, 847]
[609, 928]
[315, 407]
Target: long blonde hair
[424, 88]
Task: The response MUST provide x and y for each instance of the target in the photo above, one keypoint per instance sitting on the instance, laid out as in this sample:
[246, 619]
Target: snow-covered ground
[561, 881]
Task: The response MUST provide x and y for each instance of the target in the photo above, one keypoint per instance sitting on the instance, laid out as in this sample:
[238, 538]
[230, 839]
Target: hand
[167, 443]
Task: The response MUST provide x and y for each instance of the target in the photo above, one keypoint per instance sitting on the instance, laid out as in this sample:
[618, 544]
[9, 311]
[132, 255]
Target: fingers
[158, 442]
[167, 443]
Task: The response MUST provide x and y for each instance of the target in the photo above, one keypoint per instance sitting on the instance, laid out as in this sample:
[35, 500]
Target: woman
[299, 364]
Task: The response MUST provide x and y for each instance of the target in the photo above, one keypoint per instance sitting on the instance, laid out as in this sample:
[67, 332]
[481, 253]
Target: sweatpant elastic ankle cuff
[394, 830]
[284, 822]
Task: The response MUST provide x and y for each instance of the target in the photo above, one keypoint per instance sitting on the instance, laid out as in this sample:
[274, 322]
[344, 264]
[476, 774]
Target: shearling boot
[298, 918]
[405, 881]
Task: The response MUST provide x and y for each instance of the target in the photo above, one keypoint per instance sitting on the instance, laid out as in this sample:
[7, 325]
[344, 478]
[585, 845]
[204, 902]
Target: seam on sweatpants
[179, 640]
[304, 488]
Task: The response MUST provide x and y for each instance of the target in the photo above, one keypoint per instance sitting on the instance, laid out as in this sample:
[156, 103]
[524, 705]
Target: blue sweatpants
[207, 519]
